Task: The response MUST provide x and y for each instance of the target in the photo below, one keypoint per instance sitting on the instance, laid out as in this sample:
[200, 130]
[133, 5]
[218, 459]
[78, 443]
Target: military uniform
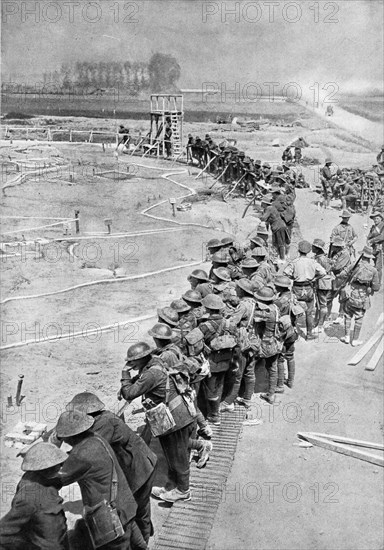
[364, 282]
[137, 461]
[376, 240]
[303, 271]
[151, 383]
[346, 233]
[89, 464]
[219, 364]
[324, 293]
[284, 302]
[273, 220]
[36, 520]
[242, 317]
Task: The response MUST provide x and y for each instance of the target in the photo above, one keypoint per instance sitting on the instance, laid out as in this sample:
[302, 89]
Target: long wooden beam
[374, 360]
[342, 449]
[345, 440]
[366, 347]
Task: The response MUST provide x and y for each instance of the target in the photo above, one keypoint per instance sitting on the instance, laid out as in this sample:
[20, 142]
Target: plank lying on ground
[343, 449]
[366, 347]
[380, 320]
[345, 440]
[374, 360]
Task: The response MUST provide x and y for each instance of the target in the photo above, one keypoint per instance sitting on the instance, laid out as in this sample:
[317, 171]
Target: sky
[218, 42]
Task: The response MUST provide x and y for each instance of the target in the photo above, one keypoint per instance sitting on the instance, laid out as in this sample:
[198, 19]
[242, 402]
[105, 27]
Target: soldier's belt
[303, 283]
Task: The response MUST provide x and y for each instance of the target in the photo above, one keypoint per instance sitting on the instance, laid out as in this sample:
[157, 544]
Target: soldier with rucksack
[289, 308]
[220, 348]
[363, 281]
[170, 413]
[242, 318]
[266, 318]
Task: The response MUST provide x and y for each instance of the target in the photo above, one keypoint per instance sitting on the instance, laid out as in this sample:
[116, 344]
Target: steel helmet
[265, 294]
[304, 247]
[161, 332]
[192, 296]
[42, 456]
[220, 258]
[227, 240]
[283, 281]
[212, 301]
[258, 241]
[345, 213]
[214, 243]
[319, 243]
[86, 402]
[262, 229]
[72, 423]
[180, 306]
[169, 315]
[259, 251]
[328, 160]
[249, 263]
[246, 286]
[138, 351]
[367, 252]
[199, 274]
[222, 274]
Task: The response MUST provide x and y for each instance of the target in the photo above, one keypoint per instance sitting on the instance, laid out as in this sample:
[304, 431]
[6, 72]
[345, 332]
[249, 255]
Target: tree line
[159, 74]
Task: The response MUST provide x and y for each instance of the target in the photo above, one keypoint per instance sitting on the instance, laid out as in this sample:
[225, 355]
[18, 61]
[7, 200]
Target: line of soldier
[357, 189]
[207, 345]
[230, 165]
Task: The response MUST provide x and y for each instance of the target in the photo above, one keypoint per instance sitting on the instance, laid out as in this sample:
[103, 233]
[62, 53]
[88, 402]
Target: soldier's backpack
[364, 274]
[221, 341]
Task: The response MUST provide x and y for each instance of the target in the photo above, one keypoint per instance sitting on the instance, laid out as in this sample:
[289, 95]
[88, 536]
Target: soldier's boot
[280, 376]
[291, 371]
[204, 453]
[356, 332]
[347, 328]
[269, 398]
[321, 321]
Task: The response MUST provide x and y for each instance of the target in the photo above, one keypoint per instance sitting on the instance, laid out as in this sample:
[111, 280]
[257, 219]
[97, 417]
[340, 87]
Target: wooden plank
[380, 320]
[376, 356]
[345, 450]
[366, 347]
[345, 440]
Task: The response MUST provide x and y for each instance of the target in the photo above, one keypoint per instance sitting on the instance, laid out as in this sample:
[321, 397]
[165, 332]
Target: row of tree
[160, 74]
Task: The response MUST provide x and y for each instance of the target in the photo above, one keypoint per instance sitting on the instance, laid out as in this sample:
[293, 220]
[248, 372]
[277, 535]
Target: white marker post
[173, 202]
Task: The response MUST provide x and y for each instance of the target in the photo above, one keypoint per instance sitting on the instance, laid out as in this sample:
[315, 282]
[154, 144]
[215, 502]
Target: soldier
[249, 267]
[219, 259]
[288, 305]
[213, 246]
[168, 316]
[345, 232]
[272, 257]
[340, 262]
[36, 519]
[243, 318]
[364, 281]
[200, 281]
[287, 155]
[326, 175]
[380, 158]
[234, 254]
[168, 138]
[187, 321]
[193, 299]
[376, 240]
[324, 295]
[272, 218]
[289, 216]
[136, 459]
[166, 348]
[264, 271]
[298, 155]
[304, 271]
[219, 360]
[267, 172]
[266, 318]
[349, 195]
[93, 465]
[154, 382]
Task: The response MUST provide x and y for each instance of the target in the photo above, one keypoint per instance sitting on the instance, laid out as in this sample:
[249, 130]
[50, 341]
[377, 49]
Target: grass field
[367, 107]
[196, 110]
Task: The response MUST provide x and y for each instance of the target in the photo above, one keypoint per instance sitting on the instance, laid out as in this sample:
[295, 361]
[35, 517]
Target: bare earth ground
[329, 396]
